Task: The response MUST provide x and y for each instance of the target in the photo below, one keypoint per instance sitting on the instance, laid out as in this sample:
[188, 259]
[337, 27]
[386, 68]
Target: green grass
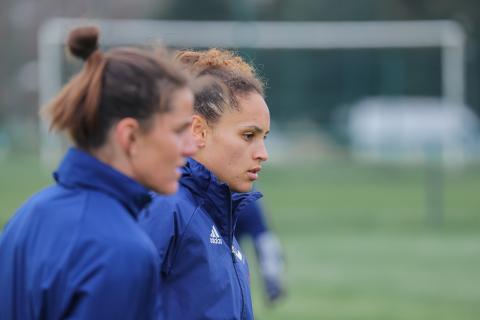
[358, 241]
[379, 275]
[20, 177]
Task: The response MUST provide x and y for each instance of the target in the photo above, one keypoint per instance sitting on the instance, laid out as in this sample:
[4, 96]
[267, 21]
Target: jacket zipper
[242, 314]
[230, 238]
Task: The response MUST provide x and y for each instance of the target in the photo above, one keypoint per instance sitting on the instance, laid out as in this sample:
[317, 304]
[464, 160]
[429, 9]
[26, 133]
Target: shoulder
[57, 227]
[97, 265]
[93, 223]
[116, 245]
[164, 211]
[167, 218]
[46, 214]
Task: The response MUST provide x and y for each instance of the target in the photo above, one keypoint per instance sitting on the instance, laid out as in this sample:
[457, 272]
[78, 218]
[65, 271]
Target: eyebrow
[186, 124]
[255, 129]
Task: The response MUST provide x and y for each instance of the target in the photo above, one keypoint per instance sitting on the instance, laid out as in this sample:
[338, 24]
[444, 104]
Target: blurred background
[374, 176]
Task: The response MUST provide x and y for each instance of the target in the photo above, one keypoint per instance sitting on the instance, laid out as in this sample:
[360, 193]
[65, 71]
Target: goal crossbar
[446, 35]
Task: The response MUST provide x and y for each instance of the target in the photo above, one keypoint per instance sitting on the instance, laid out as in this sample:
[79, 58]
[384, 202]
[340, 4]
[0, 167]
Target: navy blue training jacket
[204, 275]
[75, 250]
[251, 221]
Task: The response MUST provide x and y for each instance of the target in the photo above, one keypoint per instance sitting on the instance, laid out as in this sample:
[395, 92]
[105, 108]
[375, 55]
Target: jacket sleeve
[112, 283]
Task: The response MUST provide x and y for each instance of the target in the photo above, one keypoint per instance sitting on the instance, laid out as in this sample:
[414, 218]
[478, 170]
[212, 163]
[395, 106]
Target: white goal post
[446, 35]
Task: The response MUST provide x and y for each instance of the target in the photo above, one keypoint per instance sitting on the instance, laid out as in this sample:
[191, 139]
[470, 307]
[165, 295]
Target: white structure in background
[446, 35]
[413, 129]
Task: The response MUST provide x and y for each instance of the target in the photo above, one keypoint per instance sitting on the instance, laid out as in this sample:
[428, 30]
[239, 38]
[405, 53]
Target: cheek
[161, 147]
[169, 148]
[234, 158]
[229, 149]
[237, 156]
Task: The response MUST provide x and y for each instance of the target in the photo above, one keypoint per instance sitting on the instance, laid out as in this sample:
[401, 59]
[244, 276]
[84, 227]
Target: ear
[199, 130]
[126, 134]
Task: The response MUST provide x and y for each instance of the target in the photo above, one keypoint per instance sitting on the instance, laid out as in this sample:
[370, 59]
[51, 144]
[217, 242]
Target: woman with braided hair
[74, 250]
[204, 274]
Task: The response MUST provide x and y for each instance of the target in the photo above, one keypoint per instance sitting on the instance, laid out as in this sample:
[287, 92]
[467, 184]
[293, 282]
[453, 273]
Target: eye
[182, 129]
[248, 136]
[179, 130]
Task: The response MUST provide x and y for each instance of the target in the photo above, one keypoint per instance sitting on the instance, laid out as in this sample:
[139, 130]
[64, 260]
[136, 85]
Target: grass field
[360, 241]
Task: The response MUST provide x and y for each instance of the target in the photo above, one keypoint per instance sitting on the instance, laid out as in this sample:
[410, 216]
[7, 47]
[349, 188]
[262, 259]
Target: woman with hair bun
[204, 274]
[75, 250]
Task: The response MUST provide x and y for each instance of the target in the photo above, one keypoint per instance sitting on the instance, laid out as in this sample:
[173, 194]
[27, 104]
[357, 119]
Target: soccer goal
[448, 36]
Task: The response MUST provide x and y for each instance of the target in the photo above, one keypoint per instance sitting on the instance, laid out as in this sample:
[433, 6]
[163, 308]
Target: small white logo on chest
[237, 253]
[215, 236]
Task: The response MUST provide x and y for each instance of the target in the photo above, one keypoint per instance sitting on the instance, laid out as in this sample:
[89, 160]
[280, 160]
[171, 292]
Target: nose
[189, 146]
[261, 153]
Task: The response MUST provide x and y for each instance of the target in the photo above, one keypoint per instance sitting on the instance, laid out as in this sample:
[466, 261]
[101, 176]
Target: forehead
[181, 100]
[181, 108]
[252, 109]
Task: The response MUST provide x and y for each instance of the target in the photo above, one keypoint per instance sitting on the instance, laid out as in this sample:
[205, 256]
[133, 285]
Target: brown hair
[123, 82]
[232, 77]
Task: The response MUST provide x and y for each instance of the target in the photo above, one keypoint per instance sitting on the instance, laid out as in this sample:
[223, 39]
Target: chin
[169, 188]
[246, 187]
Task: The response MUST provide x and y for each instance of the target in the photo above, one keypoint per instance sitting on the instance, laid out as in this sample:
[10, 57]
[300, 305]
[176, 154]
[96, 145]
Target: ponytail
[75, 108]
[123, 82]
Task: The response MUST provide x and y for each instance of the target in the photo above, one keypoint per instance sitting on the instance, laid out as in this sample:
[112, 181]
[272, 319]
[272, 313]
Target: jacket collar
[221, 203]
[80, 169]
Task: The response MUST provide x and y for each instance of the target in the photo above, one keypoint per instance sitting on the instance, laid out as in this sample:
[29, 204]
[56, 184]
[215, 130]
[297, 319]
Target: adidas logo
[215, 236]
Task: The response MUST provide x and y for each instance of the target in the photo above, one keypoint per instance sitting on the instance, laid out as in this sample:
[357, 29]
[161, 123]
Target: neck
[114, 157]
[202, 159]
[200, 156]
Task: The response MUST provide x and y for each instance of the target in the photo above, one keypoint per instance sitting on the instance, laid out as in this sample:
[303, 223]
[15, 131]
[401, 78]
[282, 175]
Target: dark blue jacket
[251, 221]
[75, 250]
[204, 275]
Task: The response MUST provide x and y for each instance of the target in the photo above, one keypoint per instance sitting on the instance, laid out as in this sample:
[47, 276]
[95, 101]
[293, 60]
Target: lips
[253, 173]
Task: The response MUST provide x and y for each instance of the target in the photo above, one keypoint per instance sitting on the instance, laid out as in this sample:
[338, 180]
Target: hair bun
[188, 58]
[83, 41]
[199, 61]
